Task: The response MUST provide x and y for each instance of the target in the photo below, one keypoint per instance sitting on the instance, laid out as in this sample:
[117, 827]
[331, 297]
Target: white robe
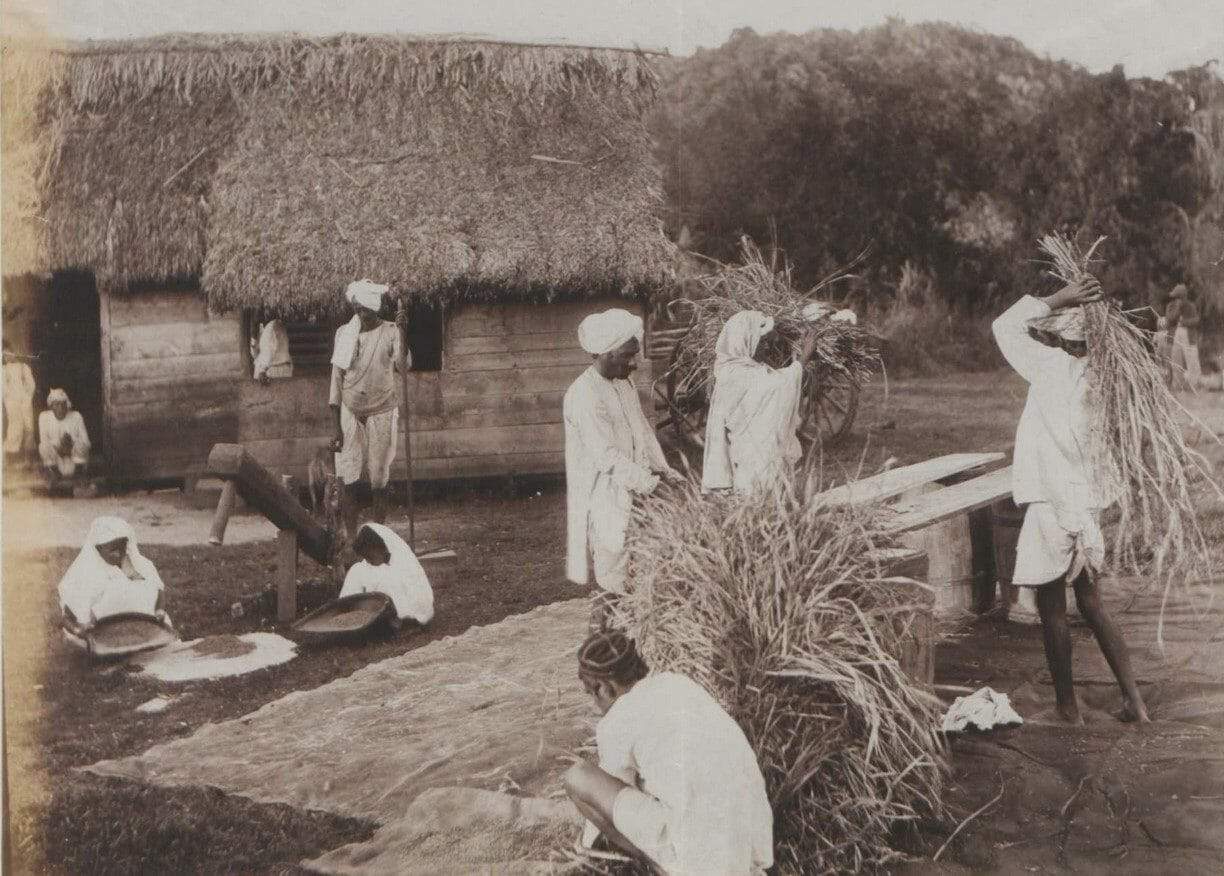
[610, 453]
[18, 407]
[51, 431]
[273, 356]
[402, 578]
[1051, 470]
[754, 412]
[93, 589]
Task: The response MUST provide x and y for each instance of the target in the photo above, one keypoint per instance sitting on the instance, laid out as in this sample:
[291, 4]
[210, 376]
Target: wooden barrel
[1007, 518]
[948, 546]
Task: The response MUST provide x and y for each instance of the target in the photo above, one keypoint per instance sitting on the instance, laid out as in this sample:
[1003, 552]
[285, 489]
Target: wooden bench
[951, 522]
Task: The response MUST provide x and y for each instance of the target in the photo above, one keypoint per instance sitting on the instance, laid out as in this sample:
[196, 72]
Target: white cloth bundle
[983, 709]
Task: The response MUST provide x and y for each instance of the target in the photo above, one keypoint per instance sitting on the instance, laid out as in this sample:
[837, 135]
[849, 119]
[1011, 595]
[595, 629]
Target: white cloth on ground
[610, 453]
[93, 589]
[19, 388]
[984, 709]
[754, 411]
[1051, 463]
[369, 447]
[273, 358]
[51, 431]
[668, 734]
[402, 578]
[603, 332]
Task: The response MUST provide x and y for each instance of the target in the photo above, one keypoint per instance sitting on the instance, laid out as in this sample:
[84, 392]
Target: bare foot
[1070, 714]
[1132, 714]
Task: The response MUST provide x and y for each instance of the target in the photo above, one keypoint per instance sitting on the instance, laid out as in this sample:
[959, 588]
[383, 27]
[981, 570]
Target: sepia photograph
[626, 438]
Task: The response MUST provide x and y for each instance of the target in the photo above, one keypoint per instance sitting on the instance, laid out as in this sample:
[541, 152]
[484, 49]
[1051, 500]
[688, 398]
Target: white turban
[366, 293]
[58, 395]
[603, 332]
[1068, 324]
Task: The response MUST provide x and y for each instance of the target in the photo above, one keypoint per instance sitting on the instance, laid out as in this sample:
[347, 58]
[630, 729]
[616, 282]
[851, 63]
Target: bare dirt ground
[63, 714]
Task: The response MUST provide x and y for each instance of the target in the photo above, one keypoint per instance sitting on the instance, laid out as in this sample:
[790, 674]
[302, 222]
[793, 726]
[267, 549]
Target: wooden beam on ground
[890, 484]
[942, 504]
[265, 493]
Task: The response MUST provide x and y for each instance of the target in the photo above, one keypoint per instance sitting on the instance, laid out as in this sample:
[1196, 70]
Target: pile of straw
[758, 285]
[1138, 449]
[770, 602]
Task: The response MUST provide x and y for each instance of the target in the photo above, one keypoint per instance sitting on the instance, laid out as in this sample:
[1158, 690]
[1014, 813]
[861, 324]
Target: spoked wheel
[829, 405]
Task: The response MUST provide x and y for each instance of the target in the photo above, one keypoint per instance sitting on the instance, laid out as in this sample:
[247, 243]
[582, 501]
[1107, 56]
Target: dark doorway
[67, 340]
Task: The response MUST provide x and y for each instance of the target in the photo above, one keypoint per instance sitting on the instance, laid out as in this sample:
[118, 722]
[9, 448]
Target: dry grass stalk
[1139, 448]
[770, 602]
[758, 285]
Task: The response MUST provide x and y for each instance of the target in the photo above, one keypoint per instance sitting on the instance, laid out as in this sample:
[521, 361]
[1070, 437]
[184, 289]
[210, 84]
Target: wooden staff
[401, 319]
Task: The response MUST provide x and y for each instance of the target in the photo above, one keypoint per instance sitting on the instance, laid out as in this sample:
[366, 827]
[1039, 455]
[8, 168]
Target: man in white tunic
[1061, 543]
[611, 453]
[272, 361]
[365, 399]
[751, 433]
[677, 783]
[63, 441]
[19, 389]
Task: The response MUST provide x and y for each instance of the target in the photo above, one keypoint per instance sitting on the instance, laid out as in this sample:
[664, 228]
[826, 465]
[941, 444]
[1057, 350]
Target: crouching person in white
[110, 576]
[1061, 544]
[677, 783]
[389, 566]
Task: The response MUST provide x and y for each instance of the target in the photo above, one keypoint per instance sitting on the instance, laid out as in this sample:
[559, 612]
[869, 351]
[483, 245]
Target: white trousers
[367, 446]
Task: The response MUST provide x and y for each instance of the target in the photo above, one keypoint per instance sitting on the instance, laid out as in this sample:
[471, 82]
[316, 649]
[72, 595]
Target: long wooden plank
[518, 359]
[173, 339]
[164, 370]
[890, 484]
[467, 346]
[951, 501]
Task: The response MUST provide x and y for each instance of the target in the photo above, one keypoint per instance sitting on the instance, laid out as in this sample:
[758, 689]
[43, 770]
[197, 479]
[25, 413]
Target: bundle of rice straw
[755, 285]
[770, 602]
[1139, 446]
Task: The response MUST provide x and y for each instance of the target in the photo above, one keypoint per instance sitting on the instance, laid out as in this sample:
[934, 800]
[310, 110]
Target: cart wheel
[687, 412]
[830, 403]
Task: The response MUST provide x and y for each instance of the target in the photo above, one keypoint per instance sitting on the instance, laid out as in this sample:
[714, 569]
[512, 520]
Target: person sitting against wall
[63, 440]
[110, 576]
[389, 566]
[271, 353]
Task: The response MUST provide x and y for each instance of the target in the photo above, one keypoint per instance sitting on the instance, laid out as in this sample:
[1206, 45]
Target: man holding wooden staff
[611, 454]
[365, 399]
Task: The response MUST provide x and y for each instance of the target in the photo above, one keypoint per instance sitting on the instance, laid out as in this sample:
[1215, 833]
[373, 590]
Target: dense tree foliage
[943, 148]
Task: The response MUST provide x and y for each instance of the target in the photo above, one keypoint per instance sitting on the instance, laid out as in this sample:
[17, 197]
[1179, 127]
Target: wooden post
[225, 507]
[286, 576]
[401, 319]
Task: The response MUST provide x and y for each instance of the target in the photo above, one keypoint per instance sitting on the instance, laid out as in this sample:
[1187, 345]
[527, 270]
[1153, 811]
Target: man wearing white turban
[364, 399]
[63, 441]
[611, 453]
[754, 409]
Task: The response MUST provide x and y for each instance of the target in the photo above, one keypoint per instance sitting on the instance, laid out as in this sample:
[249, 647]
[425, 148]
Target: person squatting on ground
[63, 441]
[611, 454]
[365, 400]
[1061, 542]
[677, 783]
[389, 566]
[1182, 328]
[110, 576]
[751, 434]
[19, 389]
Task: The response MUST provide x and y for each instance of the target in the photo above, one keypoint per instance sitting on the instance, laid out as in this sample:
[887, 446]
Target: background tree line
[949, 152]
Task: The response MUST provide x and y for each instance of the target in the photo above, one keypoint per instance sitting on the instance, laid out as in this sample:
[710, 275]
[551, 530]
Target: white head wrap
[366, 293]
[402, 578]
[603, 332]
[58, 395]
[739, 338]
[1068, 324]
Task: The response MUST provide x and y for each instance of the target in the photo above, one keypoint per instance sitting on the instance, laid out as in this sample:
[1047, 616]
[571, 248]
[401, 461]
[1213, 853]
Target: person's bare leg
[378, 502]
[593, 793]
[1109, 638]
[348, 510]
[1056, 635]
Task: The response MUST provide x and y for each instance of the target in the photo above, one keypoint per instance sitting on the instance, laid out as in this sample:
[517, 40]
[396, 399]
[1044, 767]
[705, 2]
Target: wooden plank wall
[494, 409]
[173, 372]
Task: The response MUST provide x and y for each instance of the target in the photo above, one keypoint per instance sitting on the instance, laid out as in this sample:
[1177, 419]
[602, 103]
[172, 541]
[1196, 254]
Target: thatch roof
[280, 169]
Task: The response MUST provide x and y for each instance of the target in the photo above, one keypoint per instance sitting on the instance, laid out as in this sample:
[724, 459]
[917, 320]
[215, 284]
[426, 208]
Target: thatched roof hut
[277, 170]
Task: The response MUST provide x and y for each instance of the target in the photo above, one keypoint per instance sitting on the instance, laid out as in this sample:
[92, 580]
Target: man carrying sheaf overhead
[611, 453]
[365, 399]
